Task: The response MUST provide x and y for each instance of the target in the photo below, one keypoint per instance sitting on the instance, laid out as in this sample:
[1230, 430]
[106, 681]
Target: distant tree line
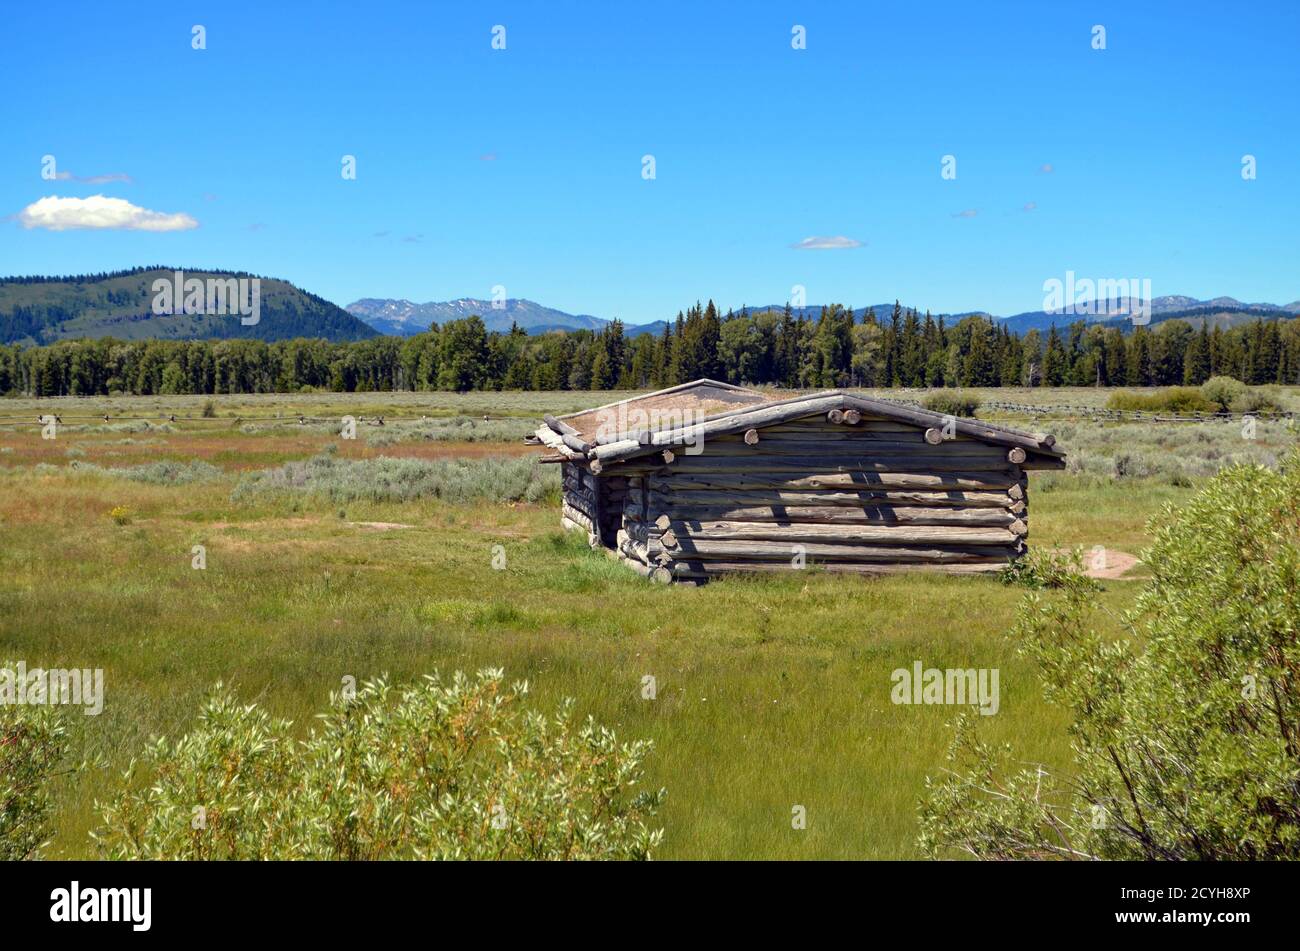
[832, 350]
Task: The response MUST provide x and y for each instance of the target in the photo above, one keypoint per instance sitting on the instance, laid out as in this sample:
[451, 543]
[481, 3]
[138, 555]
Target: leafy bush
[388, 479]
[33, 742]
[1173, 399]
[439, 770]
[1047, 569]
[1263, 399]
[1184, 737]
[1223, 391]
[1229, 395]
[951, 402]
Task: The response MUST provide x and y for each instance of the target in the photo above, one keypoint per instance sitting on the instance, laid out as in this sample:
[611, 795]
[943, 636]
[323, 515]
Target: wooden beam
[685, 533]
[720, 569]
[559, 426]
[858, 481]
[761, 550]
[707, 496]
[838, 515]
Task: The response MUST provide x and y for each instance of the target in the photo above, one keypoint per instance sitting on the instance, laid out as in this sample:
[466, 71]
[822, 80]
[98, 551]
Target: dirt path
[1104, 563]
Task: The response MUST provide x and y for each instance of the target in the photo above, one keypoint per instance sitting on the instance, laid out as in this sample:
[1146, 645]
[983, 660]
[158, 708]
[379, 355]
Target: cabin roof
[663, 409]
[590, 436]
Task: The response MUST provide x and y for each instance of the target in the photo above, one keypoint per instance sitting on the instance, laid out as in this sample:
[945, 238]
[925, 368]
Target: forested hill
[40, 310]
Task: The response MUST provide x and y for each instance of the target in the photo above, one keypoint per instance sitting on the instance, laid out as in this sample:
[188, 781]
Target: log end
[751, 437]
[933, 437]
[1016, 455]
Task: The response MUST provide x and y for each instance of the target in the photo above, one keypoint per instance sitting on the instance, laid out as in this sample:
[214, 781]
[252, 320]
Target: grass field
[772, 692]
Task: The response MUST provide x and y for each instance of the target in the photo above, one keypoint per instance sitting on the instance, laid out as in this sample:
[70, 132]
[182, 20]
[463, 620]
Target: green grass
[772, 691]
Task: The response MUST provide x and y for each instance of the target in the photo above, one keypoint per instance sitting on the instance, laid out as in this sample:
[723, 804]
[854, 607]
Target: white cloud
[1030, 206]
[818, 243]
[967, 213]
[1046, 168]
[98, 211]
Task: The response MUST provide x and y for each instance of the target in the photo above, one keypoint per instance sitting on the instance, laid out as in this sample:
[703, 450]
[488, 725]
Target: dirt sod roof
[663, 409]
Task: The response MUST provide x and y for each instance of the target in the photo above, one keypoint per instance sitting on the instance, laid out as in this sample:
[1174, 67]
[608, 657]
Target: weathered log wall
[593, 504]
[860, 495]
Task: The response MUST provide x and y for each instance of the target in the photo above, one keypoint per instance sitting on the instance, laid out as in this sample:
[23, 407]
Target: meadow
[329, 558]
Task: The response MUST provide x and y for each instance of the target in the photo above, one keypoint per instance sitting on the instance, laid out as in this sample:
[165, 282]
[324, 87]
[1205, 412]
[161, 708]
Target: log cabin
[704, 479]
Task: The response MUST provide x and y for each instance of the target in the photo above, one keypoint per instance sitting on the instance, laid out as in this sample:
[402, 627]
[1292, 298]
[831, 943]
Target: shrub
[1184, 735]
[120, 514]
[210, 409]
[951, 402]
[1222, 391]
[33, 742]
[457, 428]
[165, 472]
[1040, 569]
[453, 769]
[1183, 400]
[1264, 399]
[388, 479]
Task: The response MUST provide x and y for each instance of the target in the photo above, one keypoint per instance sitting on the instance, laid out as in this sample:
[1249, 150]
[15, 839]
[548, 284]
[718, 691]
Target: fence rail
[1123, 415]
[1101, 414]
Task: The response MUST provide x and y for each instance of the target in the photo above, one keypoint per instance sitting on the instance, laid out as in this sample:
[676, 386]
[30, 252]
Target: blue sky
[523, 167]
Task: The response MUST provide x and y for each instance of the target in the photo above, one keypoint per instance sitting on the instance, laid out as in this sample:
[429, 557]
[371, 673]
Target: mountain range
[404, 318]
[40, 310]
[1224, 311]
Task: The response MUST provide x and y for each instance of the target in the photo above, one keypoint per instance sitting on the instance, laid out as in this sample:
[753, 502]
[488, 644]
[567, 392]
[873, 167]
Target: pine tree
[1196, 359]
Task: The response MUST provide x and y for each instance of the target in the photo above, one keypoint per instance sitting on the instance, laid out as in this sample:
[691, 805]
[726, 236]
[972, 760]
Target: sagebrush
[395, 479]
